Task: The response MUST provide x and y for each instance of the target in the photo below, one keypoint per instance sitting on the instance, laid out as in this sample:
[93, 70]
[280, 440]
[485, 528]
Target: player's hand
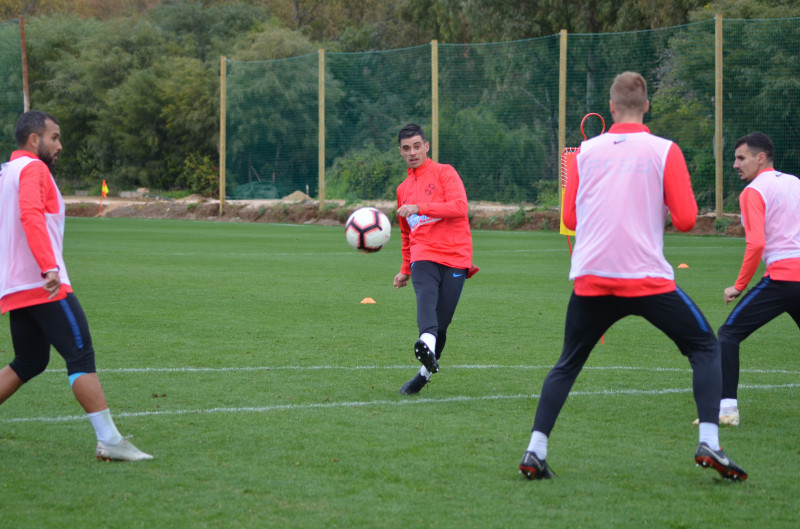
[52, 284]
[401, 280]
[731, 293]
[406, 210]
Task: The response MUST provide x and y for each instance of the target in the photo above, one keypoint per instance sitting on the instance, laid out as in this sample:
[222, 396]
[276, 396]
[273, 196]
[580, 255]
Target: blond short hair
[629, 92]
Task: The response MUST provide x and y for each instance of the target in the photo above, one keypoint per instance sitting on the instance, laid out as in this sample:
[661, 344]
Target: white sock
[424, 372]
[538, 445]
[727, 406]
[429, 340]
[104, 427]
[709, 434]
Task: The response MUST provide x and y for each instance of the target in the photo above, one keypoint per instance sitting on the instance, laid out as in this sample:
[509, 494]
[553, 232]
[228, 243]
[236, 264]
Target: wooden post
[562, 106]
[26, 98]
[321, 126]
[718, 143]
[222, 130]
[435, 99]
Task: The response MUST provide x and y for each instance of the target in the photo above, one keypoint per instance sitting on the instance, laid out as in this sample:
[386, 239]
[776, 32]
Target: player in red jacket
[35, 288]
[437, 247]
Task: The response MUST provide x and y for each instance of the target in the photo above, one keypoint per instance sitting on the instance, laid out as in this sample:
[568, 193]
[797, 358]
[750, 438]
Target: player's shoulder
[445, 169]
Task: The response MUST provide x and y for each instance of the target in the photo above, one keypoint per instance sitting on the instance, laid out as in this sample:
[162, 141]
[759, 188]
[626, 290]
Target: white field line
[407, 366]
[360, 404]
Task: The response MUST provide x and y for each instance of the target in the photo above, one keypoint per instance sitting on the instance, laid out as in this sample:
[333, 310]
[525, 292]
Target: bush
[366, 174]
[200, 175]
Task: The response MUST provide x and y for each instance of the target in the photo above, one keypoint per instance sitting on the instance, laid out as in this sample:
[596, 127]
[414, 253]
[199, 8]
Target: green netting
[11, 97]
[369, 97]
[271, 126]
[677, 112]
[762, 90]
[498, 109]
[498, 117]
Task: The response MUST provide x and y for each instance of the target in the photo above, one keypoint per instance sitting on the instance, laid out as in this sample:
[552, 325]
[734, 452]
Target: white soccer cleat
[124, 451]
[728, 419]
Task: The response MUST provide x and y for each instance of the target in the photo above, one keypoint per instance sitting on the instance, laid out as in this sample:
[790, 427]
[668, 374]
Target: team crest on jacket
[429, 189]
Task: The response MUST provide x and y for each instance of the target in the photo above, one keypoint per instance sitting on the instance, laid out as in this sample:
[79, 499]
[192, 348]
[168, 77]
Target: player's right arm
[405, 236]
[753, 215]
[570, 195]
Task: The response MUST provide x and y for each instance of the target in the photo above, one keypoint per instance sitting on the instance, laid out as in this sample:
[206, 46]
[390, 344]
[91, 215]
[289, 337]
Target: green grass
[241, 357]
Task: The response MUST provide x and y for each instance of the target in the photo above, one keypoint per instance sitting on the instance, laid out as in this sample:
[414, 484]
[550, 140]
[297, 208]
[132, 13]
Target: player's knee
[28, 369]
[82, 362]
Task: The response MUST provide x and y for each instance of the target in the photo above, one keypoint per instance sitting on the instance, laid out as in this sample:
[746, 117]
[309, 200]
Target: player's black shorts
[61, 324]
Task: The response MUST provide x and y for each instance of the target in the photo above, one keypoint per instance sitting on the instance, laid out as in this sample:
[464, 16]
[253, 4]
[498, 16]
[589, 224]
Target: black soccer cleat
[532, 468]
[426, 356]
[705, 457]
[414, 385]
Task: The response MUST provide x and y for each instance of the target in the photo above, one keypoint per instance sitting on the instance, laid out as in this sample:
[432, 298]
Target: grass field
[241, 357]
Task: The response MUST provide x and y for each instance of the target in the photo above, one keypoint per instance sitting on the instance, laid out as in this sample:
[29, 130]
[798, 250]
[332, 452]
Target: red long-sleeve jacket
[440, 232]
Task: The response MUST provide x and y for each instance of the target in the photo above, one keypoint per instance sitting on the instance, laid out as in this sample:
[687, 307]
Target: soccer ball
[367, 230]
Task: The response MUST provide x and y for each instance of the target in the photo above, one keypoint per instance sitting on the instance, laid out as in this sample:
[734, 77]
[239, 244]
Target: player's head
[409, 131]
[413, 145]
[628, 97]
[39, 133]
[752, 154]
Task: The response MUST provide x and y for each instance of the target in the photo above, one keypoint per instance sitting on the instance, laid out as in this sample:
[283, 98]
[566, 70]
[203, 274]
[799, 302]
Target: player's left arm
[678, 194]
[33, 195]
[454, 204]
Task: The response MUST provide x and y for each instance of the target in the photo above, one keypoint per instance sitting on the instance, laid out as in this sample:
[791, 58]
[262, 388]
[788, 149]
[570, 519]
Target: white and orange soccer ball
[368, 230]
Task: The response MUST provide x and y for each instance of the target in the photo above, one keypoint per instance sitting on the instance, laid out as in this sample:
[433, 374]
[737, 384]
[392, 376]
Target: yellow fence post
[222, 131]
[718, 158]
[321, 138]
[562, 105]
[435, 98]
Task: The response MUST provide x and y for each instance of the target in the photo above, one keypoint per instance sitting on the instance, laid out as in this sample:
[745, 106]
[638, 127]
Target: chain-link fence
[496, 117]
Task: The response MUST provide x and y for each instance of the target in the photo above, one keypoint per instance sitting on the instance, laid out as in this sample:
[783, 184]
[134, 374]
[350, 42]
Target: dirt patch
[299, 208]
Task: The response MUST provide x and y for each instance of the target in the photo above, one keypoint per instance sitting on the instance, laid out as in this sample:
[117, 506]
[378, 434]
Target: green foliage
[547, 193]
[721, 224]
[134, 95]
[509, 174]
[135, 84]
[11, 100]
[272, 117]
[516, 219]
[758, 95]
[686, 119]
[200, 175]
[367, 173]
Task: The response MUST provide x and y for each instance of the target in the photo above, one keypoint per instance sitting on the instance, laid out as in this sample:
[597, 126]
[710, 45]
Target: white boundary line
[407, 366]
[360, 404]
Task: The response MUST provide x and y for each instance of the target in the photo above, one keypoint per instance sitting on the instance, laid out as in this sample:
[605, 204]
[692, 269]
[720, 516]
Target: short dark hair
[409, 131]
[757, 142]
[31, 122]
[629, 92]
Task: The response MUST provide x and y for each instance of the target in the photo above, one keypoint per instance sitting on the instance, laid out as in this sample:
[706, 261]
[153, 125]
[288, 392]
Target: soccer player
[34, 285]
[770, 206]
[437, 247]
[616, 200]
